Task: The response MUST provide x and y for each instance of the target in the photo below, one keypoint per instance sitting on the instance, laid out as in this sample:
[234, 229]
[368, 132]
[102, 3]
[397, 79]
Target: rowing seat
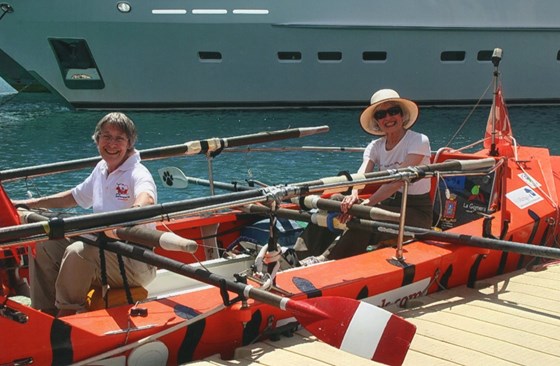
[116, 297]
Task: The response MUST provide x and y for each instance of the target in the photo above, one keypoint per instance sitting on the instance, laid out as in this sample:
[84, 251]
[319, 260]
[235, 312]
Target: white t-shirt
[411, 143]
[117, 190]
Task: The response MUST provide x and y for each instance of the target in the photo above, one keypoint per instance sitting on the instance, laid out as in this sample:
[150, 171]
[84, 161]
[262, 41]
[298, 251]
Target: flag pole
[496, 58]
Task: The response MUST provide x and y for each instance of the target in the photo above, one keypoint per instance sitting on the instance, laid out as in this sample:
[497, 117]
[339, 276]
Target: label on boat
[401, 295]
[524, 197]
[530, 181]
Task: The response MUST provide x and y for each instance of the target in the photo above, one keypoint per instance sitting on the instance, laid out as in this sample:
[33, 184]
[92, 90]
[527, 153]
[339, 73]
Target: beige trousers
[62, 272]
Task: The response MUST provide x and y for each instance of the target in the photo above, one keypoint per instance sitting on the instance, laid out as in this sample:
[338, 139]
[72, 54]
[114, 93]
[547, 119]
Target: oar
[136, 234]
[414, 232]
[187, 148]
[297, 148]
[350, 325]
[451, 167]
[58, 227]
[341, 183]
[174, 177]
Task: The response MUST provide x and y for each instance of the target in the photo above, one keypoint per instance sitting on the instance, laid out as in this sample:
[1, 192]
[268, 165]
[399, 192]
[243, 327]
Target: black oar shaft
[496, 244]
[188, 148]
[464, 239]
[426, 234]
[148, 256]
[232, 187]
[85, 222]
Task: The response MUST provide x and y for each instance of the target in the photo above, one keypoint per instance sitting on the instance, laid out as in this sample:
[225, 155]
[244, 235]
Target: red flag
[8, 213]
[503, 136]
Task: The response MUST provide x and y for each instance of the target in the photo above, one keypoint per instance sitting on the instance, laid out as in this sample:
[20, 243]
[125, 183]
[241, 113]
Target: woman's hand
[345, 206]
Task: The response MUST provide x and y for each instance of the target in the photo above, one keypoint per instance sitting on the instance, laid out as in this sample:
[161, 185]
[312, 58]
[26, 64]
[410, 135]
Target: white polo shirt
[115, 191]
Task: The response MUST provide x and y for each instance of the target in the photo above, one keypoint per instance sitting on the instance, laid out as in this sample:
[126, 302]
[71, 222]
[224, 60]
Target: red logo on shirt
[122, 191]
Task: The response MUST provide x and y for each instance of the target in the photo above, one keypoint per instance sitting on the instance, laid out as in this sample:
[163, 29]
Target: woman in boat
[62, 271]
[390, 117]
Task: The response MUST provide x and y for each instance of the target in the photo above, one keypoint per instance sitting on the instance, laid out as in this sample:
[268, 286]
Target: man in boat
[62, 271]
[390, 117]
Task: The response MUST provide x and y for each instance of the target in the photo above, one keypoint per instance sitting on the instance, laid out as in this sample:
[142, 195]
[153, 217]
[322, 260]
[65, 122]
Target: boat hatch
[76, 63]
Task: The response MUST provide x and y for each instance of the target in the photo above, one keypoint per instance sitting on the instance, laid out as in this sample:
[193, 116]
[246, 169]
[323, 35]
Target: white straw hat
[370, 124]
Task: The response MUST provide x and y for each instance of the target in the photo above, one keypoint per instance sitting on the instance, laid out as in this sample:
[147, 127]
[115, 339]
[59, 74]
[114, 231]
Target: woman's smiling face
[389, 123]
[113, 145]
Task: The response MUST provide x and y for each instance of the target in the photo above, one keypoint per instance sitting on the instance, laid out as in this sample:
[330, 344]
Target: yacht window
[209, 56]
[76, 63]
[374, 56]
[485, 55]
[289, 56]
[329, 56]
[453, 56]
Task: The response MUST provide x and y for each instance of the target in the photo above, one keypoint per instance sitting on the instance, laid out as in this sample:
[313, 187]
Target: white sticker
[530, 181]
[400, 295]
[524, 197]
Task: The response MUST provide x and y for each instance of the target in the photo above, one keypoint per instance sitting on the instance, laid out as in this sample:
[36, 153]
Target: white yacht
[262, 53]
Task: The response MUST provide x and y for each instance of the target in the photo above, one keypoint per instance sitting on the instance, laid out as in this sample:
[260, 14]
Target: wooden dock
[512, 319]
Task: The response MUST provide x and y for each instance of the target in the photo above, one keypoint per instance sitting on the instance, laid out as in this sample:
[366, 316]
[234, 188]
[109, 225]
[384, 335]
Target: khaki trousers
[62, 272]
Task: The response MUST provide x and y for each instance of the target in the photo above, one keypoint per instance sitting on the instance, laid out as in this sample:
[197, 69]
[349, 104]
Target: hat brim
[370, 124]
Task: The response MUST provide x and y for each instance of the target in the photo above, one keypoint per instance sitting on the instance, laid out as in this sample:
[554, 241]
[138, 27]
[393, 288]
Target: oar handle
[156, 238]
[367, 212]
[460, 165]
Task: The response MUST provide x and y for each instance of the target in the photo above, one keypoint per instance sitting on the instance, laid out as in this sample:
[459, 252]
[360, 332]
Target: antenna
[496, 58]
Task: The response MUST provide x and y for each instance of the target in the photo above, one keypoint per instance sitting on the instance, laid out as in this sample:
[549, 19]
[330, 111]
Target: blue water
[38, 128]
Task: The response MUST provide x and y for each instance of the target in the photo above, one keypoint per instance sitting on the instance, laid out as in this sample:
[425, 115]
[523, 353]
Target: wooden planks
[506, 320]
[509, 319]
[300, 350]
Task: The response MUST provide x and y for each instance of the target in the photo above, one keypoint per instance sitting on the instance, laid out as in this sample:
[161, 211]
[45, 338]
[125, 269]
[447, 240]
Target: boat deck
[505, 320]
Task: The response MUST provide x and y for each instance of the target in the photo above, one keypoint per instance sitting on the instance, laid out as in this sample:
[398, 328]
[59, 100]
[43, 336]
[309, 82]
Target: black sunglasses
[393, 111]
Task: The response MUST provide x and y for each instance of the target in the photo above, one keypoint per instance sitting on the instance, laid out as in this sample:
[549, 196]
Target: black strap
[219, 150]
[102, 240]
[125, 280]
[348, 177]
[56, 226]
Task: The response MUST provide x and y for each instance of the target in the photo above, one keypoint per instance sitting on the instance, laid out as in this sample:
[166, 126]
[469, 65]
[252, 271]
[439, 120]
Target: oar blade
[173, 177]
[357, 327]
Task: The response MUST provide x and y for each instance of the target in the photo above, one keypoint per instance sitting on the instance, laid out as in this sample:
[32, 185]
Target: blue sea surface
[37, 128]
